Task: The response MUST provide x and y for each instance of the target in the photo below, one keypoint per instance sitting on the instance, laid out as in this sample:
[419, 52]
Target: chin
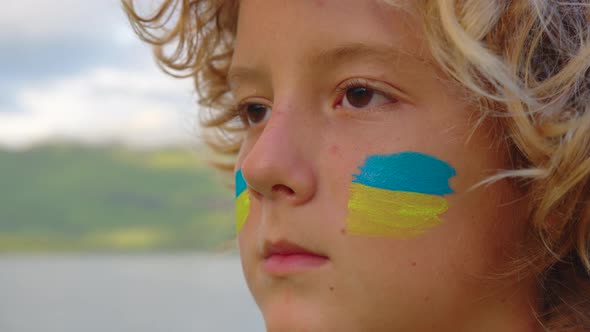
[295, 324]
[289, 314]
[289, 321]
[291, 324]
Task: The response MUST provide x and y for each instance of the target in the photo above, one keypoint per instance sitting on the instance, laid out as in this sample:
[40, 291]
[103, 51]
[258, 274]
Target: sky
[74, 70]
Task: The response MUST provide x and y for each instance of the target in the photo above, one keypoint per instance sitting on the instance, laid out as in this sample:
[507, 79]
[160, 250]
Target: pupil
[256, 113]
[359, 97]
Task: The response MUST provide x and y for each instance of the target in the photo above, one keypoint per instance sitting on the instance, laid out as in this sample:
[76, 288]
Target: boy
[400, 165]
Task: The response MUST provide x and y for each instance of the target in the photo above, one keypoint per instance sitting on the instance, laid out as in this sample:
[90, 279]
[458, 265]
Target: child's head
[401, 165]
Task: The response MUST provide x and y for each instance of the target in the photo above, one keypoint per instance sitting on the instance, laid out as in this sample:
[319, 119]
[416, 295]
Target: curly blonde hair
[526, 63]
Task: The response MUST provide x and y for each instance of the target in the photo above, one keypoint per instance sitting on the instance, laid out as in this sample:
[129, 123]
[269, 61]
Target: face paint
[398, 195]
[242, 201]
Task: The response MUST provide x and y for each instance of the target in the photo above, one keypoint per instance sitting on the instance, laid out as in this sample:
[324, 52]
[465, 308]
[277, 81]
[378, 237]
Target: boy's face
[329, 86]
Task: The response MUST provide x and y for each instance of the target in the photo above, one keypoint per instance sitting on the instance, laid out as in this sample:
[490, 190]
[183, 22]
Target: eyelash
[352, 83]
[240, 112]
[341, 90]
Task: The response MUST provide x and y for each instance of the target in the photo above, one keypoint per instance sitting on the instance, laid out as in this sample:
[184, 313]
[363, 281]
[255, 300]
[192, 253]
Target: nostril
[282, 188]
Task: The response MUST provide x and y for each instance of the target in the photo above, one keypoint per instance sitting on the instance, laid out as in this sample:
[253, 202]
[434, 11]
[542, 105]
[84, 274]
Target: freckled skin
[334, 150]
[319, 3]
[433, 282]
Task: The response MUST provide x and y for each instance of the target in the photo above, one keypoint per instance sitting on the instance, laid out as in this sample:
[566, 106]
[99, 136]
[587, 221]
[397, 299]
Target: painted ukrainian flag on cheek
[398, 195]
[242, 201]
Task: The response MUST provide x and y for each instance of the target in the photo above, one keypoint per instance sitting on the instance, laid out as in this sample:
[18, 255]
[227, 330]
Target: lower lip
[282, 265]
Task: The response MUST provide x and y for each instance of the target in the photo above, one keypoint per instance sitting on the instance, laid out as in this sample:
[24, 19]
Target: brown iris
[256, 113]
[359, 96]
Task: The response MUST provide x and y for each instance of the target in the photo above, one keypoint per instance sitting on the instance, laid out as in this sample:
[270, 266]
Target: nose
[279, 166]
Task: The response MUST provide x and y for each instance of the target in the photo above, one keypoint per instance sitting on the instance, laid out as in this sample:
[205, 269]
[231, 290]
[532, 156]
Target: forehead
[271, 31]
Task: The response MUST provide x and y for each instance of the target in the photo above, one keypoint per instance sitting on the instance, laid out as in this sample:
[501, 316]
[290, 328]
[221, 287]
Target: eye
[253, 114]
[359, 94]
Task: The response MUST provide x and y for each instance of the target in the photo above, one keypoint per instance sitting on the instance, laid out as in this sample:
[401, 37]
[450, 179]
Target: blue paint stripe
[241, 184]
[407, 171]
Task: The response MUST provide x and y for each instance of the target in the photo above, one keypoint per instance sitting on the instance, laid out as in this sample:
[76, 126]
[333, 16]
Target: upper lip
[283, 247]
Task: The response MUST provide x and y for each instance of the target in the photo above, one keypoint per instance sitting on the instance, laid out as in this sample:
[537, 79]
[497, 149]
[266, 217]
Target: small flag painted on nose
[398, 195]
[242, 201]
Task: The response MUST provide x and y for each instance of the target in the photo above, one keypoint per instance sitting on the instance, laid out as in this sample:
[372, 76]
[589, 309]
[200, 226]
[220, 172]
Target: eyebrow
[348, 52]
[237, 74]
[385, 54]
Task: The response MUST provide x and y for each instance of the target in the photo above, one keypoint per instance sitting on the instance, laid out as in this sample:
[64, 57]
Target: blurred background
[110, 218]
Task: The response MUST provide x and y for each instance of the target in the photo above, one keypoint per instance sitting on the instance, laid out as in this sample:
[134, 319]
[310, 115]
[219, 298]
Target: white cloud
[105, 104]
[46, 20]
[104, 100]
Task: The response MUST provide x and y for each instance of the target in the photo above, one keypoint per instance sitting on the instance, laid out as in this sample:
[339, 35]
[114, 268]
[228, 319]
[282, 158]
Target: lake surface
[125, 293]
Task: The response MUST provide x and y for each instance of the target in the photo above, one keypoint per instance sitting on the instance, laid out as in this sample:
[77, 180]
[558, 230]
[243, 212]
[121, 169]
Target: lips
[283, 258]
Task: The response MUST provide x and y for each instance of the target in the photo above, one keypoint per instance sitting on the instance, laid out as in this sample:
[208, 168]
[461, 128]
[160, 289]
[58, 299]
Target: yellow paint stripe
[242, 210]
[379, 212]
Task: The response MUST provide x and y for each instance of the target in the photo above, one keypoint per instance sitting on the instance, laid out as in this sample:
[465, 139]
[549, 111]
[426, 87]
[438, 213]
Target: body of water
[125, 293]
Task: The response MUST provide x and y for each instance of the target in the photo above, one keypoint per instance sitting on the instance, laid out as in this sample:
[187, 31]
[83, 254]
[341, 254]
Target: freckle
[426, 298]
[335, 150]
[319, 3]
[343, 231]
[413, 263]
[331, 289]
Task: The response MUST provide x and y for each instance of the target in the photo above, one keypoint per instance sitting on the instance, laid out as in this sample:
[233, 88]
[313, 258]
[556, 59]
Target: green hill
[65, 197]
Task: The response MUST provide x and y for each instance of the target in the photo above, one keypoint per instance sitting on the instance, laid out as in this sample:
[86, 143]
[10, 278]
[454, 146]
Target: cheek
[377, 212]
[247, 245]
[494, 212]
[242, 197]
[398, 195]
